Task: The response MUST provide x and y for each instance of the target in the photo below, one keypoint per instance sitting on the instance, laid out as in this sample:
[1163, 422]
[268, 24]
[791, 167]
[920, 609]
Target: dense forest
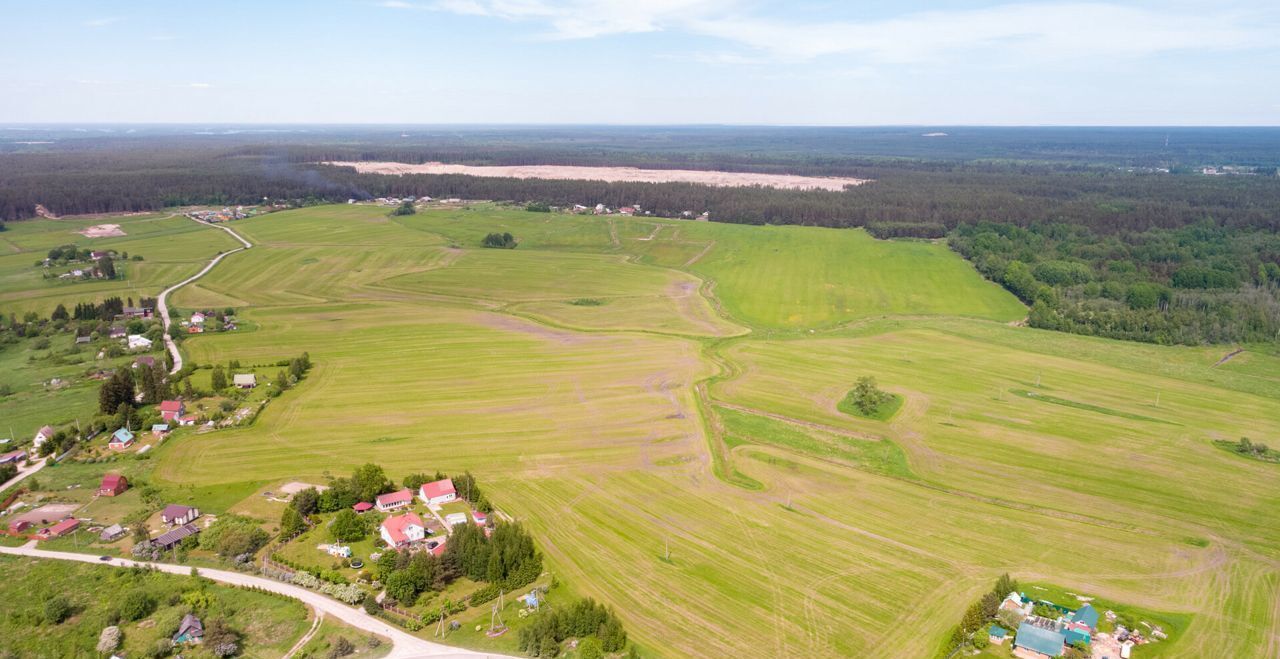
[922, 199]
[1111, 232]
[1202, 283]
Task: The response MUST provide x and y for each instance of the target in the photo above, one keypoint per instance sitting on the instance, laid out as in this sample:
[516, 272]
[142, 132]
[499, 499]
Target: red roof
[401, 496]
[396, 525]
[171, 406]
[362, 506]
[438, 489]
[112, 481]
[64, 526]
[438, 549]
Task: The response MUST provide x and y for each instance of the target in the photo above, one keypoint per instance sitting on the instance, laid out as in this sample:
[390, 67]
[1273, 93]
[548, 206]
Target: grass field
[717, 350]
[270, 625]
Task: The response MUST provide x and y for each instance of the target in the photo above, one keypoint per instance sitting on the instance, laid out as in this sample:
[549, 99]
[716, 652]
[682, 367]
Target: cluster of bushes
[328, 576]
[499, 241]
[1247, 448]
[233, 535]
[599, 631]
[343, 592]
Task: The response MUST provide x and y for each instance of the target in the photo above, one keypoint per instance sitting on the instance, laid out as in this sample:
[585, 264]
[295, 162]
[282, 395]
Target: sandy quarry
[721, 179]
[102, 231]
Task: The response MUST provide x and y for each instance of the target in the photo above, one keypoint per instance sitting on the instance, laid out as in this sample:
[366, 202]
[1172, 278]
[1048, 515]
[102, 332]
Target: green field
[721, 353]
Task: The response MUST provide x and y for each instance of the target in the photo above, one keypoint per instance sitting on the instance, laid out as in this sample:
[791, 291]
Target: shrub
[57, 609]
[341, 648]
[136, 605]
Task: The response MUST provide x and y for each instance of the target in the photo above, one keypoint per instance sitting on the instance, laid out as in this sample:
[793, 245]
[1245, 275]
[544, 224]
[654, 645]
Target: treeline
[907, 198]
[1198, 284]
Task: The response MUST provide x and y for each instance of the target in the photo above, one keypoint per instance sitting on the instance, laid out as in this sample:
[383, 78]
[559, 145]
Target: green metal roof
[1039, 640]
[998, 631]
[1086, 614]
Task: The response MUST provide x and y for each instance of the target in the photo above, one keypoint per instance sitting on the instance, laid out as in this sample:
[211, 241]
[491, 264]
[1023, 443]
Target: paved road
[406, 646]
[162, 304]
[23, 472]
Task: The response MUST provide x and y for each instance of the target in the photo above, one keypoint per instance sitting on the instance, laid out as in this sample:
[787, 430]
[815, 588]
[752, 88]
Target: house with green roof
[996, 634]
[1038, 640]
[121, 439]
[1087, 615]
[1074, 636]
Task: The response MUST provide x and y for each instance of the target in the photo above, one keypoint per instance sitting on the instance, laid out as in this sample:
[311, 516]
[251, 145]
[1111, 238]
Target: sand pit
[102, 231]
[612, 174]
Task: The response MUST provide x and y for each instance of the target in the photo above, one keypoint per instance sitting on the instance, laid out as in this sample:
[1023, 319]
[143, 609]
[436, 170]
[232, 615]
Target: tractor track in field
[1228, 357]
[698, 257]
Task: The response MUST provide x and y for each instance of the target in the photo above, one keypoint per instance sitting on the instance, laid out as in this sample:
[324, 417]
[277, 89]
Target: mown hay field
[606, 428]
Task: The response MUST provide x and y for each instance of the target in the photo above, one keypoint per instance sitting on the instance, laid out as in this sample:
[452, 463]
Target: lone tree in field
[867, 397]
[500, 241]
[405, 208]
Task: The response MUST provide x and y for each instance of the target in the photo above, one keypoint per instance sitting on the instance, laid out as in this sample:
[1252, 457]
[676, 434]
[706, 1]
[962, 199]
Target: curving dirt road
[406, 645]
[162, 303]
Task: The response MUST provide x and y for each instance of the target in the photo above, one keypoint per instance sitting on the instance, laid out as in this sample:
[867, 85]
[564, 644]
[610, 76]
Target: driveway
[23, 472]
[405, 645]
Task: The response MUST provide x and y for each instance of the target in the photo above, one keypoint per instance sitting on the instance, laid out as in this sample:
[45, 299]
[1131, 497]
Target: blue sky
[818, 62]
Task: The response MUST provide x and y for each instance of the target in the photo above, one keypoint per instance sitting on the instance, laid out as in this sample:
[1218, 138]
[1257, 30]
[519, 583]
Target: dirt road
[162, 304]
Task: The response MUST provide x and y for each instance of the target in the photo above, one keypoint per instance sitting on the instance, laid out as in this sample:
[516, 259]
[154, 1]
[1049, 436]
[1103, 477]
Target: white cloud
[581, 19]
[101, 22]
[1035, 30]
[1021, 30]
[199, 85]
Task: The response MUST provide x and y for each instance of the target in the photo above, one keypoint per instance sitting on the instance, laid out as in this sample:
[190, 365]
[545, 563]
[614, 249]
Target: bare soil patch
[612, 174]
[102, 231]
[48, 513]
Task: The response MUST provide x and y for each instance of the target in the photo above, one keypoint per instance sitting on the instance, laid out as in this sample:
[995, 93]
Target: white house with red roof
[437, 492]
[403, 530]
[45, 434]
[170, 410]
[394, 501]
